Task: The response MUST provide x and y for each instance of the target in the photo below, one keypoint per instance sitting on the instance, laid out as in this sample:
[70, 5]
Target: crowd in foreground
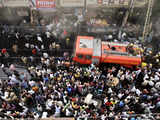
[57, 87]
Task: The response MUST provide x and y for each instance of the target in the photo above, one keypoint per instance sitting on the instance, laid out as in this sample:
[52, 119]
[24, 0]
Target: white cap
[39, 38]
[32, 46]
[45, 55]
[27, 45]
[138, 92]
[110, 36]
[151, 83]
[31, 92]
[145, 83]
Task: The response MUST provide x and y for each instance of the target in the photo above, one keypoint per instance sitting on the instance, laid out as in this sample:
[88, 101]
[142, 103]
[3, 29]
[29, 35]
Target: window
[80, 56]
[88, 57]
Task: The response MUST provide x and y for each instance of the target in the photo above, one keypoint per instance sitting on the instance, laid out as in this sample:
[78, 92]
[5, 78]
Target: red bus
[89, 50]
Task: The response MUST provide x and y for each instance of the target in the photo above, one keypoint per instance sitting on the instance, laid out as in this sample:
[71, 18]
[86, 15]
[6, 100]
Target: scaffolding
[129, 12]
[148, 24]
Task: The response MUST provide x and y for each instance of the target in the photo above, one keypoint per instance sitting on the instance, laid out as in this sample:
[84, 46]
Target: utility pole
[84, 8]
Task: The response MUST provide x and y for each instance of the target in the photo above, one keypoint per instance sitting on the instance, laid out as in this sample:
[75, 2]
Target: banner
[116, 2]
[45, 4]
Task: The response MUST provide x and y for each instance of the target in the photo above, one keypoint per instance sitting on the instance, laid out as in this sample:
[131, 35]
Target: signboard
[45, 4]
[71, 3]
[98, 22]
[116, 2]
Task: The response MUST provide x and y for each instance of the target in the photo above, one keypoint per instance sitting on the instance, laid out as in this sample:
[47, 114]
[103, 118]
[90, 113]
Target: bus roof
[84, 44]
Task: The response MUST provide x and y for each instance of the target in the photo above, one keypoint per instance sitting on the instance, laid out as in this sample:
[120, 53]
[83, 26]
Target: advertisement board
[45, 4]
[71, 3]
[116, 2]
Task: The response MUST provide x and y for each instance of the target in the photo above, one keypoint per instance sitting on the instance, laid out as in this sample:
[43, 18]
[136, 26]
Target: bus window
[80, 56]
[88, 57]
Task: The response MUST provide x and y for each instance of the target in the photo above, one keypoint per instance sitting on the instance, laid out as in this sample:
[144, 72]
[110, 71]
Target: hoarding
[45, 4]
[116, 2]
[71, 3]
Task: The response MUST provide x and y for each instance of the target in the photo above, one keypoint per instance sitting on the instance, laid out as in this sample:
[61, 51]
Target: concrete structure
[72, 3]
[98, 3]
[16, 3]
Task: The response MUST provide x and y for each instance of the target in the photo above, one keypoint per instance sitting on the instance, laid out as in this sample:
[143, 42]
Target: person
[56, 89]
[130, 49]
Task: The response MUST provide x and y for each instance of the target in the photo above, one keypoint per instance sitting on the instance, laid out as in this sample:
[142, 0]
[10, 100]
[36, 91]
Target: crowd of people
[54, 86]
[57, 89]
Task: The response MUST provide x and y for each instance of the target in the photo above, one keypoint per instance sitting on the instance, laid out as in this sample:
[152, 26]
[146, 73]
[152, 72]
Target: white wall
[15, 3]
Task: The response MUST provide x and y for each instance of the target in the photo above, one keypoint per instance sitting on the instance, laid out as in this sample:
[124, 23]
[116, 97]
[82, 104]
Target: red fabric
[92, 84]
[102, 110]
[145, 91]
[108, 103]
[74, 99]
[34, 51]
[65, 32]
[3, 50]
[87, 110]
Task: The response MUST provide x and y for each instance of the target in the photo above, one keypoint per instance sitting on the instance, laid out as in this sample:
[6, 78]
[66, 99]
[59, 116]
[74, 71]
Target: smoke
[9, 16]
[156, 27]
